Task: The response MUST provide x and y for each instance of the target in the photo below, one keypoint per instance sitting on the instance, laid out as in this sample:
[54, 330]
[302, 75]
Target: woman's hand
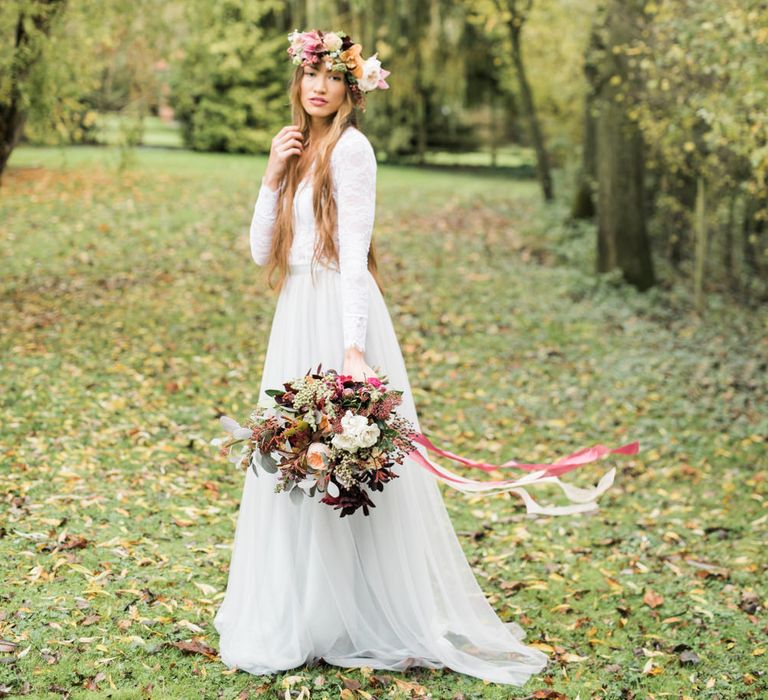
[287, 143]
[355, 365]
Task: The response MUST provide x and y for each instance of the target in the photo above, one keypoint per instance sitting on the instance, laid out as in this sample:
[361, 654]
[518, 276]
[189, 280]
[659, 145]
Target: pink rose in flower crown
[311, 42]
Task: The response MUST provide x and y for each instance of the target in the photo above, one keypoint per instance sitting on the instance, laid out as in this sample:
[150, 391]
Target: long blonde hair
[324, 204]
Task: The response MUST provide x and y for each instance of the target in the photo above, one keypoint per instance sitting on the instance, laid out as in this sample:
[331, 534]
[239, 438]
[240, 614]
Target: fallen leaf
[195, 647]
[652, 600]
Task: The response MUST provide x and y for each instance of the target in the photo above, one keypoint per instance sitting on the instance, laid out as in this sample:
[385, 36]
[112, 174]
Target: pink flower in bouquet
[375, 381]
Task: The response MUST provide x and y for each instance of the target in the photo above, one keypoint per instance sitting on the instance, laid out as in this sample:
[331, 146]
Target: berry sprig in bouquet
[326, 433]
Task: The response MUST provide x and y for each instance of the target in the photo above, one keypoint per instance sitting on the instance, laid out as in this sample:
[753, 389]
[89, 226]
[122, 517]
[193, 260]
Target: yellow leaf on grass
[562, 608]
[288, 681]
[650, 670]
[206, 588]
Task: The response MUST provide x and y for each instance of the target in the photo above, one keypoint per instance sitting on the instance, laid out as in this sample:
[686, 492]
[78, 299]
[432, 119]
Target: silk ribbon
[582, 499]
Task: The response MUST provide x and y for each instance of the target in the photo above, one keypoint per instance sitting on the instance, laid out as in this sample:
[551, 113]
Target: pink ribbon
[583, 500]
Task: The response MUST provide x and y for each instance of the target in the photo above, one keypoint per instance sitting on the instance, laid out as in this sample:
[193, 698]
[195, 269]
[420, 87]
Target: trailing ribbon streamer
[583, 499]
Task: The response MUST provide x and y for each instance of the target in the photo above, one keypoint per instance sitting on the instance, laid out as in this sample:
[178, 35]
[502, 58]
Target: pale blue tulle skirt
[390, 590]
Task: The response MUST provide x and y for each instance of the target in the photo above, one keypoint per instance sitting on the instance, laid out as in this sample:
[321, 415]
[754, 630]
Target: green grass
[156, 132]
[132, 315]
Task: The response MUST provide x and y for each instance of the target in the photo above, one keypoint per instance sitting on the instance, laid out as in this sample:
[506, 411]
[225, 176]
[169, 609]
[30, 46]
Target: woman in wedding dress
[393, 589]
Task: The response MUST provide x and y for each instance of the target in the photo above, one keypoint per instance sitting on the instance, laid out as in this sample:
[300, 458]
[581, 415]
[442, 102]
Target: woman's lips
[317, 101]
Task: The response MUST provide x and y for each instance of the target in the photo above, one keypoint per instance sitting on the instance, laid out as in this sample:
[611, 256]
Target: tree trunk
[529, 109]
[583, 205]
[622, 239]
[12, 121]
[728, 245]
[700, 248]
[12, 117]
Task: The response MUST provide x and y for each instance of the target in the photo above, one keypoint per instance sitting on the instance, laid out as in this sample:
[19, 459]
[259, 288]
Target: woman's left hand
[356, 366]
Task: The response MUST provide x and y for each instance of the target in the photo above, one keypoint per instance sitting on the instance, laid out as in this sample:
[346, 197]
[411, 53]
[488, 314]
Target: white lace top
[353, 167]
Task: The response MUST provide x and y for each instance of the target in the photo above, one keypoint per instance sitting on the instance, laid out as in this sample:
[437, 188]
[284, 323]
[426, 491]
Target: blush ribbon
[582, 499]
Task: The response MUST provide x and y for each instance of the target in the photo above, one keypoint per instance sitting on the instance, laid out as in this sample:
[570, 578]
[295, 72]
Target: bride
[394, 589]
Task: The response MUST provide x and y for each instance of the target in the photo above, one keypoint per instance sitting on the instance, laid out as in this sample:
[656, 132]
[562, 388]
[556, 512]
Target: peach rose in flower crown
[351, 58]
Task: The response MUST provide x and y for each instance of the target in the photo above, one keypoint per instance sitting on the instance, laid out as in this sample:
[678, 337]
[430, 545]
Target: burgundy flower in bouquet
[325, 433]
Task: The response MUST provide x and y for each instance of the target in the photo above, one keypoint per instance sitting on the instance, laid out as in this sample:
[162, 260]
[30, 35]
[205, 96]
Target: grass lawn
[133, 316]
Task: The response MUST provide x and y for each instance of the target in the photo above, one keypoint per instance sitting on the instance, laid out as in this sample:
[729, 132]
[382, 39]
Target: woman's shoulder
[353, 144]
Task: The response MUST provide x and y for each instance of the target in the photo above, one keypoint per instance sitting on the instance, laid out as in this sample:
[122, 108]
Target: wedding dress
[390, 590]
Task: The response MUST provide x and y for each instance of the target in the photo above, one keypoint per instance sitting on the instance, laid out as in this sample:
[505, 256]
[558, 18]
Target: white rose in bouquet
[369, 435]
[357, 433]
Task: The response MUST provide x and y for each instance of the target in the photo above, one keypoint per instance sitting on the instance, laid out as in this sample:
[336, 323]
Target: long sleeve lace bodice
[353, 168]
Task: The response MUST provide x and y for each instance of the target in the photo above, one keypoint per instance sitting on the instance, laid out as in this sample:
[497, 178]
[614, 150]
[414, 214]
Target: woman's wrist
[270, 182]
[353, 353]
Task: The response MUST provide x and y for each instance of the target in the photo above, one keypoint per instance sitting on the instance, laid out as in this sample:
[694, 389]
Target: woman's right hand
[288, 142]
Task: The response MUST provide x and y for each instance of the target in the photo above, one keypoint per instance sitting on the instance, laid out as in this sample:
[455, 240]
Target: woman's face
[322, 91]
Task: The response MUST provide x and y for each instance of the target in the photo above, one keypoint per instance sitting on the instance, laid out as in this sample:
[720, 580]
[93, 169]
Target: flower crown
[338, 52]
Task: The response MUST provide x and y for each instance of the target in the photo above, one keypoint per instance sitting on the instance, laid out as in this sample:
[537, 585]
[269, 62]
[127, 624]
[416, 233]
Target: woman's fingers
[287, 134]
[286, 143]
[289, 143]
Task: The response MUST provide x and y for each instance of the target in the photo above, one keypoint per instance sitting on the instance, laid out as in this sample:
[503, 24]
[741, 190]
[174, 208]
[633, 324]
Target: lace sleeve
[353, 165]
[262, 224]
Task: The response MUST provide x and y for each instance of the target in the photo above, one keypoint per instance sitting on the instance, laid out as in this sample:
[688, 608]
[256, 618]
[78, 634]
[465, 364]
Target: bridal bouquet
[325, 433]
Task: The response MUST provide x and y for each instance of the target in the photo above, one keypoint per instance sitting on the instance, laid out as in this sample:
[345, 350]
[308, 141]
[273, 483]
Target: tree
[515, 13]
[28, 25]
[61, 54]
[583, 205]
[622, 239]
[425, 47]
[701, 106]
[510, 16]
[229, 90]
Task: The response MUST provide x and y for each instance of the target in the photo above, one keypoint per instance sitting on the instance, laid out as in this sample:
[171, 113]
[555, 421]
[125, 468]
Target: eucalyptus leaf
[269, 464]
[296, 495]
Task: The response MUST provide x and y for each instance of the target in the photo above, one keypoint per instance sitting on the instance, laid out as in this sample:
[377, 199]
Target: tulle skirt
[390, 590]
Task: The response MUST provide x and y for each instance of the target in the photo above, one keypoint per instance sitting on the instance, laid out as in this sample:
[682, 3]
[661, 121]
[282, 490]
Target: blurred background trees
[648, 117]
